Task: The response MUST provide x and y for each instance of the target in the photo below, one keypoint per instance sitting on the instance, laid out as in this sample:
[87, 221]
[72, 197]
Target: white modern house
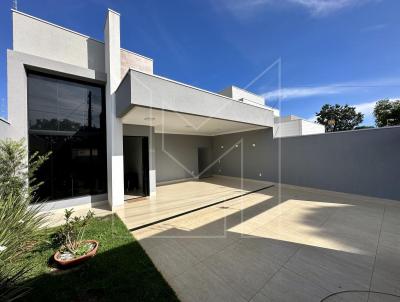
[117, 130]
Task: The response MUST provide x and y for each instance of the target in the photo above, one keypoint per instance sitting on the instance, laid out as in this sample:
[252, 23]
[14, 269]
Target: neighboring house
[292, 125]
[116, 130]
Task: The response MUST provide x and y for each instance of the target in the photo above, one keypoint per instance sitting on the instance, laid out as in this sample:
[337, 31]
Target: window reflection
[68, 118]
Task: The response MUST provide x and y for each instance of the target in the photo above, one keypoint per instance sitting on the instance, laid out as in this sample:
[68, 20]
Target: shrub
[19, 220]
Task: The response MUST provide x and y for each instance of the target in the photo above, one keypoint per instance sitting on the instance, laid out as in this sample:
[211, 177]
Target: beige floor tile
[287, 286]
[277, 251]
[375, 297]
[245, 271]
[362, 297]
[286, 230]
[169, 256]
[340, 236]
[200, 284]
[330, 270]
[202, 248]
[386, 276]
[259, 297]
[348, 297]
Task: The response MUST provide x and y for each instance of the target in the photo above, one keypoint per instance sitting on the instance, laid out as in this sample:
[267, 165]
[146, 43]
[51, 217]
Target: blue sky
[321, 51]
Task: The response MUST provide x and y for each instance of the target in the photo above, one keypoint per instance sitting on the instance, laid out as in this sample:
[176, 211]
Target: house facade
[115, 129]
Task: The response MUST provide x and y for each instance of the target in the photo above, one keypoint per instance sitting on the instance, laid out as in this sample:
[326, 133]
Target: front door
[136, 166]
[204, 160]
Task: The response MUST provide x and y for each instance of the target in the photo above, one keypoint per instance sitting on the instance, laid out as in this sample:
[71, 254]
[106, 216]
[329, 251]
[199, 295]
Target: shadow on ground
[121, 271]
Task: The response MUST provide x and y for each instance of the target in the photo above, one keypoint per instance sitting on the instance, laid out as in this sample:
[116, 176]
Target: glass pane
[68, 119]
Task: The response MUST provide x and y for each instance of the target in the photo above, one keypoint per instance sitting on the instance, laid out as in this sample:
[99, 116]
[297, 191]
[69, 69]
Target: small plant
[70, 235]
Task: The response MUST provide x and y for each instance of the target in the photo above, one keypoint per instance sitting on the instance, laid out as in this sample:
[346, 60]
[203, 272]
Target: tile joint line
[197, 209]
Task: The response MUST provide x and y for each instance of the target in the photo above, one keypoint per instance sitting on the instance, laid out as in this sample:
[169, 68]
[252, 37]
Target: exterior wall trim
[175, 181]
[86, 200]
[35, 63]
[55, 25]
[339, 132]
[194, 87]
[391, 202]
[134, 53]
[4, 121]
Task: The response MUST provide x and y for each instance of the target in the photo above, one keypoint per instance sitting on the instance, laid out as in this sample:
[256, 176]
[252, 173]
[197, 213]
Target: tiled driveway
[302, 246]
[180, 197]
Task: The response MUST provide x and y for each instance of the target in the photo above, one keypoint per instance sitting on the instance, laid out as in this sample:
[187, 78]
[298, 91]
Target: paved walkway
[301, 246]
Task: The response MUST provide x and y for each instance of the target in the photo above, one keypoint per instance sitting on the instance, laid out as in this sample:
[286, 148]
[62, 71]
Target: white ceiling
[181, 123]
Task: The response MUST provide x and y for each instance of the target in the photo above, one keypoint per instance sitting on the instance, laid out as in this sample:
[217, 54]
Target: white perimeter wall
[297, 128]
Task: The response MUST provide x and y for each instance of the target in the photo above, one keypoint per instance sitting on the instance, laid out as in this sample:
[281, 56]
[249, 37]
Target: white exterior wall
[4, 126]
[244, 96]
[135, 61]
[115, 157]
[311, 128]
[40, 38]
[44, 39]
[287, 126]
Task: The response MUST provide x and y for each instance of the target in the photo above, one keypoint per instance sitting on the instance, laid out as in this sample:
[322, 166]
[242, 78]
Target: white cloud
[300, 92]
[366, 108]
[375, 27]
[328, 89]
[324, 7]
[242, 9]
[312, 119]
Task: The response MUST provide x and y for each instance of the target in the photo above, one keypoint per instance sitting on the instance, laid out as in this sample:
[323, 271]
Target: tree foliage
[19, 220]
[339, 118]
[387, 113]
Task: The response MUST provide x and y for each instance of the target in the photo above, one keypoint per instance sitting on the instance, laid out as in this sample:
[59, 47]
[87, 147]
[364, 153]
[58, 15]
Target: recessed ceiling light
[149, 118]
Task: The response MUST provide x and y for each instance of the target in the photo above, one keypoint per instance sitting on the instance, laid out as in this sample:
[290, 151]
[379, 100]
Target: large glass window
[68, 118]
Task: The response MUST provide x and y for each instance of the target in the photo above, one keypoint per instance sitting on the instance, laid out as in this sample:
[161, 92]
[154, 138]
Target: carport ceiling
[182, 123]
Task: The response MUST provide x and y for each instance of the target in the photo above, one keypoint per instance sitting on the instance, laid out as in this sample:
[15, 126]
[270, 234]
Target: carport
[174, 125]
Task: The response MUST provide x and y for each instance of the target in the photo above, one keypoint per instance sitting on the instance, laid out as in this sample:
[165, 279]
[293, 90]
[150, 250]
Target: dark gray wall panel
[362, 162]
[177, 157]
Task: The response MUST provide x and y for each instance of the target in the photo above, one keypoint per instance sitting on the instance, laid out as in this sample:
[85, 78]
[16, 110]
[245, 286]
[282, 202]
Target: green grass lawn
[121, 270]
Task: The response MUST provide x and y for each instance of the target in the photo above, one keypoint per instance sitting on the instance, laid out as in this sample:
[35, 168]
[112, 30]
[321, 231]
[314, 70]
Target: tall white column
[115, 161]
